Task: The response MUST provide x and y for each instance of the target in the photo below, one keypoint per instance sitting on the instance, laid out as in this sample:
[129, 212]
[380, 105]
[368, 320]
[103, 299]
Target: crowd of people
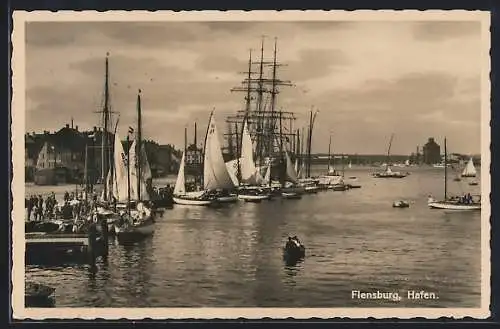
[74, 205]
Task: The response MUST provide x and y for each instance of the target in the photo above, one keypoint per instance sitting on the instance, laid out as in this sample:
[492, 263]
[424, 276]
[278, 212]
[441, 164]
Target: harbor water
[232, 256]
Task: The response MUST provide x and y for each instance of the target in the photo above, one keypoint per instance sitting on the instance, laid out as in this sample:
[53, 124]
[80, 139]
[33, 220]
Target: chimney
[95, 128]
[67, 125]
[76, 127]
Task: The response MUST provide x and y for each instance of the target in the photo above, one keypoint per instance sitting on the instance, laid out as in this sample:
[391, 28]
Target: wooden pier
[67, 248]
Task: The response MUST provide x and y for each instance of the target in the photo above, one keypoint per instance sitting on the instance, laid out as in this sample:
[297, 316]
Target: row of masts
[268, 126]
[109, 130]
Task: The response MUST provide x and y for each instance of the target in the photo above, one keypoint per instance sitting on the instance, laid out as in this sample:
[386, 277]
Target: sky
[371, 79]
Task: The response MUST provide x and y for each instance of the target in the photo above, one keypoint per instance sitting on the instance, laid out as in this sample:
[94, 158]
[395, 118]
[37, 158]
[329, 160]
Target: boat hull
[253, 198]
[454, 206]
[291, 195]
[130, 233]
[192, 202]
[228, 199]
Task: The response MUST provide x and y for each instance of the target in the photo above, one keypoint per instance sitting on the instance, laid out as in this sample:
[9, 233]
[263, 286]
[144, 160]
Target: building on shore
[59, 157]
[431, 152]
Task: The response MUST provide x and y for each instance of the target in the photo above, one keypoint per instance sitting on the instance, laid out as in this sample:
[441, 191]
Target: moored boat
[135, 223]
[182, 197]
[388, 173]
[291, 195]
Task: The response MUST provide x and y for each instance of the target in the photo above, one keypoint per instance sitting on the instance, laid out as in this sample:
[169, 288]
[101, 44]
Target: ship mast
[106, 151]
[262, 122]
[138, 146]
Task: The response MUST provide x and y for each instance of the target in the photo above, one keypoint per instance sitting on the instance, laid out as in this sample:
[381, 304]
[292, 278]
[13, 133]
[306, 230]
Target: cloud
[443, 30]
[368, 79]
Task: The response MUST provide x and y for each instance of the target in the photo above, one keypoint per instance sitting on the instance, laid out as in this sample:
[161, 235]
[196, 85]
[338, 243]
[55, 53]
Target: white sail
[290, 171]
[120, 171]
[349, 165]
[247, 164]
[180, 184]
[215, 174]
[109, 186]
[232, 169]
[133, 171]
[267, 177]
[296, 165]
[407, 163]
[469, 170]
[300, 173]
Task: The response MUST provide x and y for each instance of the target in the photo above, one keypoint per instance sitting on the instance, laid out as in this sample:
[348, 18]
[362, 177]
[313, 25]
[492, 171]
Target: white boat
[216, 177]
[251, 181]
[452, 203]
[469, 170]
[253, 197]
[182, 197]
[388, 173]
[291, 195]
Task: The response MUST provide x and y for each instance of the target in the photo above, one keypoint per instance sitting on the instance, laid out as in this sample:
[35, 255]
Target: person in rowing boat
[296, 240]
[290, 244]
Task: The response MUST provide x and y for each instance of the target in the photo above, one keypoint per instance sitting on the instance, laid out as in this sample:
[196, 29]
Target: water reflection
[232, 256]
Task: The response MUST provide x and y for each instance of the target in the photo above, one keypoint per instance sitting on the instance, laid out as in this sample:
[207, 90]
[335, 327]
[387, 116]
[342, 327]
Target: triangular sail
[232, 169]
[215, 174]
[180, 184]
[145, 173]
[300, 173]
[120, 171]
[469, 169]
[249, 173]
[267, 177]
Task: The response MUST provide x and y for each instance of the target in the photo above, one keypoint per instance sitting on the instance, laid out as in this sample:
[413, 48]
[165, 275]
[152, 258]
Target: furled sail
[215, 174]
[134, 171]
[120, 171]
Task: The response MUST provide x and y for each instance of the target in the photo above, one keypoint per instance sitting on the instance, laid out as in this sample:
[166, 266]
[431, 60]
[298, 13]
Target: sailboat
[139, 222]
[216, 178]
[291, 189]
[469, 170]
[182, 197]
[250, 183]
[461, 203]
[388, 173]
[332, 180]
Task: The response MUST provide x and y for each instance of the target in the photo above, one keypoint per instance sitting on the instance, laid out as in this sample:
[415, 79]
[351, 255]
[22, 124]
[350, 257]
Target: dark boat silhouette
[294, 251]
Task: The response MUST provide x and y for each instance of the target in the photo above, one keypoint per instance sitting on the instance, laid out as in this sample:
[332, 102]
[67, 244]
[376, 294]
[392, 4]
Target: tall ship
[273, 138]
